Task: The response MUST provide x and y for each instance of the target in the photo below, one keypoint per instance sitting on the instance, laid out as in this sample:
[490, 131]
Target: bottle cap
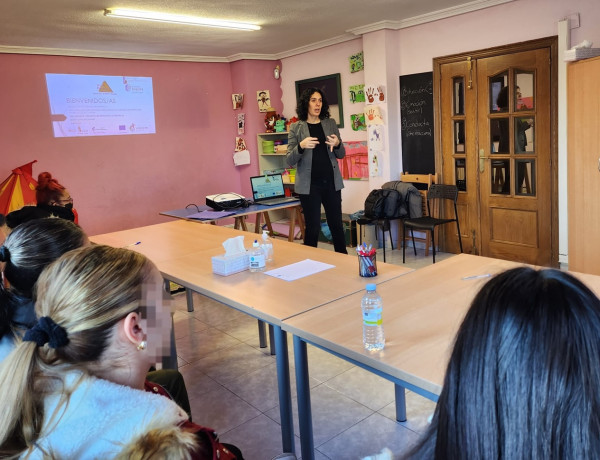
[371, 287]
[255, 244]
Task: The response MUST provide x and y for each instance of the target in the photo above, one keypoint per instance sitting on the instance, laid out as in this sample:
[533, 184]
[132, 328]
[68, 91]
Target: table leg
[285, 392]
[268, 223]
[262, 335]
[400, 403]
[303, 391]
[170, 362]
[271, 339]
[300, 217]
[257, 223]
[189, 297]
[292, 229]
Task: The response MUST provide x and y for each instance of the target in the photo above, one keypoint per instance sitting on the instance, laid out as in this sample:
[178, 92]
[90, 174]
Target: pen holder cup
[367, 266]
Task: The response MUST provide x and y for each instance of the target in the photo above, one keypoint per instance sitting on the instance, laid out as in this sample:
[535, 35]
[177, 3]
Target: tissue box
[228, 265]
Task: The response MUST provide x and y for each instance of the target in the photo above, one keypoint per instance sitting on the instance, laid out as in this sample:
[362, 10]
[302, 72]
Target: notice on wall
[416, 114]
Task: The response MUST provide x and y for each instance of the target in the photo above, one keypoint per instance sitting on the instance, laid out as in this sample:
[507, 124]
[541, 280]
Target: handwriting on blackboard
[416, 111]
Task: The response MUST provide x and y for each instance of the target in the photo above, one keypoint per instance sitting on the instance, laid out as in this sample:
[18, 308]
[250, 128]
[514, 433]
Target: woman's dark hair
[302, 106]
[522, 380]
[48, 189]
[28, 249]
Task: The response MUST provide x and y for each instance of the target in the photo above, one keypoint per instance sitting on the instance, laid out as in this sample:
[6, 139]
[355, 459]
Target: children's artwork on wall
[357, 62]
[375, 137]
[241, 122]
[373, 116]
[264, 100]
[238, 101]
[358, 122]
[375, 157]
[375, 94]
[240, 144]
[355, 165]
[357, 93]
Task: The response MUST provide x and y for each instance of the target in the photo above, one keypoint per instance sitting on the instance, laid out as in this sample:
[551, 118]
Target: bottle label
[257, 261]
[373, 317]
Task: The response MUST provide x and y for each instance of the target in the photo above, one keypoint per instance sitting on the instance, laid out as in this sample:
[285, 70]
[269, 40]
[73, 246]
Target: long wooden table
[421, 315]
[182, 251]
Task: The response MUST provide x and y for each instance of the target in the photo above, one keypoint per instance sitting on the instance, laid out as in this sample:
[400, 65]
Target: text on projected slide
[99, 105]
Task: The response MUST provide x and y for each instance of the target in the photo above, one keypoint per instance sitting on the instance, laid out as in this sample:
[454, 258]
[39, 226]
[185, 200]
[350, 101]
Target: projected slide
[97, 105]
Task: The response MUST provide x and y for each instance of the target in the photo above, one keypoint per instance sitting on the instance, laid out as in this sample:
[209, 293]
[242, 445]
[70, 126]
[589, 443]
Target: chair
[426, 180]
[383, 223]
[436, 196]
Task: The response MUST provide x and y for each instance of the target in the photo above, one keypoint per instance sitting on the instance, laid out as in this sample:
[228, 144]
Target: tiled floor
[232, 385]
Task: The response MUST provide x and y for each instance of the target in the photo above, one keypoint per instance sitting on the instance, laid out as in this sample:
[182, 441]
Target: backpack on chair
[375, 204]
[383, 203]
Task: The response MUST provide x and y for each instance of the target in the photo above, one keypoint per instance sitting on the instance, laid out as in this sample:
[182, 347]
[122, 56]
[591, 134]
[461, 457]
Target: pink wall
[123, 182]
[248, 77]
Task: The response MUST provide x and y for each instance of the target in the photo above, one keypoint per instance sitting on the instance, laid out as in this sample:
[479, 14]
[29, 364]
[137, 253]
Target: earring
[142, 345]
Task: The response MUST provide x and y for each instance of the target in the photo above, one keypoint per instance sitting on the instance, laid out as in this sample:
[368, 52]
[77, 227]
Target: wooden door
[459, 144]
[584, 165]
[513, 98]
[495, 130]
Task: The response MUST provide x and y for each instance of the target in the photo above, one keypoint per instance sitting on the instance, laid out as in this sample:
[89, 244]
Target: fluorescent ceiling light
[177, 19]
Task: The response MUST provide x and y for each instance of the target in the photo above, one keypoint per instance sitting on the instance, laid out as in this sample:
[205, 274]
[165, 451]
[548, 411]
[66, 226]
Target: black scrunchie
[4, 254]
[46, 331]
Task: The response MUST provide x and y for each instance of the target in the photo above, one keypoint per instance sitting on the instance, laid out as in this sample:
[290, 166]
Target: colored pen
[485, 275]
[132, 244]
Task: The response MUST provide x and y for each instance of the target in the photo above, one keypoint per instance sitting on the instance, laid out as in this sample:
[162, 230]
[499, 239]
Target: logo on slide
[104, 88]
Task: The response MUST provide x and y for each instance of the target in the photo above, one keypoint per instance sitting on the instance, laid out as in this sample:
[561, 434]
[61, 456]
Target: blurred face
[157, 323]
[314, 105]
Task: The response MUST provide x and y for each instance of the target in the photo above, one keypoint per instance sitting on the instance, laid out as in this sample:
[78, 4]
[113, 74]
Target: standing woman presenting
[314, 145]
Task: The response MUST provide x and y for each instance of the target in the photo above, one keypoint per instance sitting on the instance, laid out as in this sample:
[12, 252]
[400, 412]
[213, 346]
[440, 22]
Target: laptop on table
[268, 190]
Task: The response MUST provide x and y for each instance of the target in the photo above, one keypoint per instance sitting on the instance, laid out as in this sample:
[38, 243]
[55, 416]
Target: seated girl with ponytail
[74, 387]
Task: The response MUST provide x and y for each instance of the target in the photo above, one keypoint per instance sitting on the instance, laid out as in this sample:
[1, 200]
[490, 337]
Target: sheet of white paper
[299, 270]
[241, 158]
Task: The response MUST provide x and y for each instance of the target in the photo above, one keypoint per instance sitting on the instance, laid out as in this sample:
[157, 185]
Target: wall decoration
[375, 166]
[375, 94]
[330, 86]
[241, 158]
[264, 100]
[376, 145]
[240, 144]
[375, 137]
[355, 165]
[357, 93]
[373, 116]
[238, 101]
[357, 62]
[241, 122]
[358, 122]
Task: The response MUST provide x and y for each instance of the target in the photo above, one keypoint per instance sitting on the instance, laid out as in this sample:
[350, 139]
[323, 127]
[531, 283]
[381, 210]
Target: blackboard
[416, 112]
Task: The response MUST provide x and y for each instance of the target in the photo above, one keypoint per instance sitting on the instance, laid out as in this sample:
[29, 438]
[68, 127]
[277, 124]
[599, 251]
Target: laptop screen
[267, 186]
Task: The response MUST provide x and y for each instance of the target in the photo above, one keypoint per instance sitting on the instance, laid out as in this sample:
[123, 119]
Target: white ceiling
[79, 27]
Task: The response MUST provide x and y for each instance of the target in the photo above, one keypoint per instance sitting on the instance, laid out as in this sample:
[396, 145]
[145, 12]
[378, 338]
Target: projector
[224, 201]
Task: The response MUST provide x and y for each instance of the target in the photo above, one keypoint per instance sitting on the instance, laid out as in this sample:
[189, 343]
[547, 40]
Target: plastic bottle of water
[372, 308]
[267, 246]
[257, 258]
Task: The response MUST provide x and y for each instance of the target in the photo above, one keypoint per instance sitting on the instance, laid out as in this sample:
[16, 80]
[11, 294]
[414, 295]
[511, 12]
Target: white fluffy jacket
[104, 420]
